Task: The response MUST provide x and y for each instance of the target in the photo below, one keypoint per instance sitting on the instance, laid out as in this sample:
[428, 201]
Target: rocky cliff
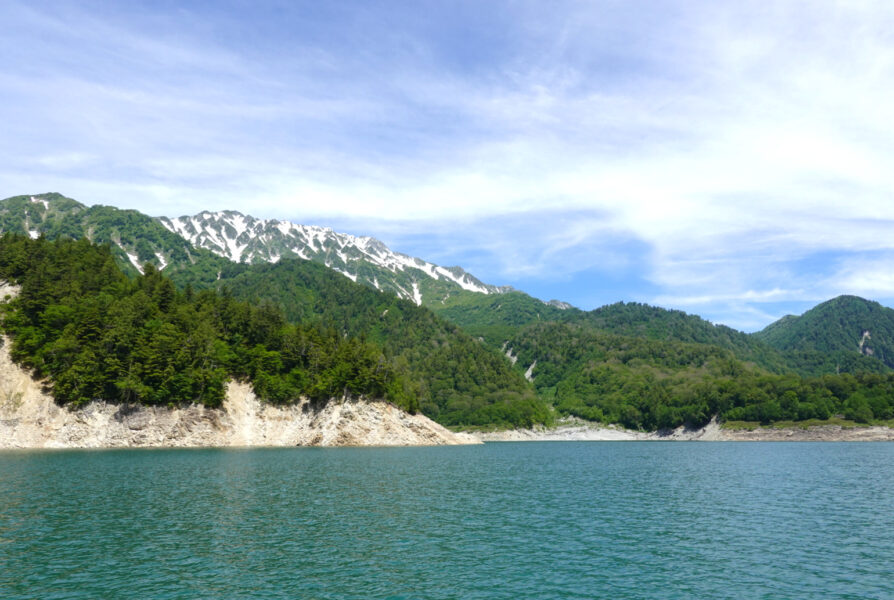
[29, 418]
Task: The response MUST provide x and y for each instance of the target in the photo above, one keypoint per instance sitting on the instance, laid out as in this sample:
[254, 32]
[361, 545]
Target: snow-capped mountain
[243, 238]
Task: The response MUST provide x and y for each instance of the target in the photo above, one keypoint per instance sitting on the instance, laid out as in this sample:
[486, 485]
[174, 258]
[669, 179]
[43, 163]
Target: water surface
[504, 520]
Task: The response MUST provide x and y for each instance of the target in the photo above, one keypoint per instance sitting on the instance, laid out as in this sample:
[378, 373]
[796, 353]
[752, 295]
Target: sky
[731, 159]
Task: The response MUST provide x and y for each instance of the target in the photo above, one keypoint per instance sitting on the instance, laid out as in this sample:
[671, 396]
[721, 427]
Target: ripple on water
[512, 520]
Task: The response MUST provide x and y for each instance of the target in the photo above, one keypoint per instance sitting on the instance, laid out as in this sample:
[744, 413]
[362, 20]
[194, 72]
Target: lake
[503, 520]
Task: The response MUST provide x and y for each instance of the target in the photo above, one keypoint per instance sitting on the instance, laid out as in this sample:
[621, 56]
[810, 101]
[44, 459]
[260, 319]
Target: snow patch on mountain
[529, 374]
[350, 276]
[45, 203]
[234, 250]
[135, 261]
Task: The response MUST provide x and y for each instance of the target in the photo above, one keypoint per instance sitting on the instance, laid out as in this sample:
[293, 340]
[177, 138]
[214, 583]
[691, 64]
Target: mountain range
[558, 348]
[243, 238]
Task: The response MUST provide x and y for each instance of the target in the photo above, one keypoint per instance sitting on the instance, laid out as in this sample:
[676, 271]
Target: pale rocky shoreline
[712, 432]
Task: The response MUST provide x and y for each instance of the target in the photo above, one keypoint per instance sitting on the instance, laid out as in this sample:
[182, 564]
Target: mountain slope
[217, 239]
[135, 238]
[496, 318]
[639, 382]
[640, 365]
[499, 318]
[647, 384]
[849, 329]
[243, 238]
[459, 381]
[655, 323]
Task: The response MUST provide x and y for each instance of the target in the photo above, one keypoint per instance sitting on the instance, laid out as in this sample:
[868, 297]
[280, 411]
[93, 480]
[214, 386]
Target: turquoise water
[523, 520]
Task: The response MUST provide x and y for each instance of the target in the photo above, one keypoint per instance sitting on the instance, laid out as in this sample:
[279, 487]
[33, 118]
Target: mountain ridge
[244, 238]
[235, 237]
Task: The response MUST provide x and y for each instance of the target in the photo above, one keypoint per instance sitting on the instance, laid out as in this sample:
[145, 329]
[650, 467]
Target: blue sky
[725, 158]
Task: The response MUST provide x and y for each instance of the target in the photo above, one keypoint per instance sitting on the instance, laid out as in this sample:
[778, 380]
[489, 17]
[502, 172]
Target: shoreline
[712, 432]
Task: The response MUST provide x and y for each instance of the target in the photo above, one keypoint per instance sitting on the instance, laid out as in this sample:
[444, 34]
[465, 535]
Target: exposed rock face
[30, 418]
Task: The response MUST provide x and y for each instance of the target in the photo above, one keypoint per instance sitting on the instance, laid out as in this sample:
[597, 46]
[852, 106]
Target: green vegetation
[21, 214]
[96, 334]
[457, 379]
[830, 337]
[497, 318]
[651, 322]
[651, 384]
[128, 233]
[650, 368]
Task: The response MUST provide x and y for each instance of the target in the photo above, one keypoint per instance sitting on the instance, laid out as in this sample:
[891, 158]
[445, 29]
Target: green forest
[842, 329]
[458, 380]
[657, 384]
[94, 333]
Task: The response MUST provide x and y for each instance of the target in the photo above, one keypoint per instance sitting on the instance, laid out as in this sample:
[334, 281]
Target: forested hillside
[650, 384]
[496, 318]
[824, 341]
[458, 380]
[655, 323]
[845, 333]
[80, 322]
[134, 238]
[499, 318]
[296, 327]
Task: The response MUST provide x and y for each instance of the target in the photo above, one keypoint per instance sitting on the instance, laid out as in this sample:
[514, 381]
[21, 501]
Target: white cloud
[869, 276]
